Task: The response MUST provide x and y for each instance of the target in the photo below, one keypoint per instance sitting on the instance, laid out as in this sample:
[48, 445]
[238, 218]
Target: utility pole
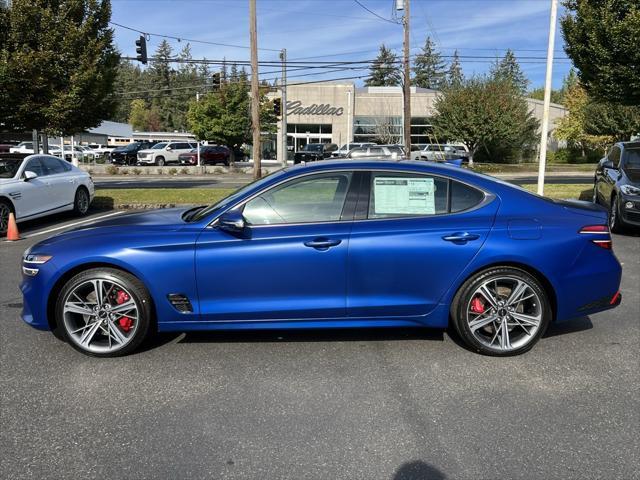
[197, 139]
[407, 78]
[283, 108]
[547, 97]
[255, 94]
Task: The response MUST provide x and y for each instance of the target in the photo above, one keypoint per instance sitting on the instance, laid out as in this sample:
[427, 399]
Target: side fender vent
[180, 302]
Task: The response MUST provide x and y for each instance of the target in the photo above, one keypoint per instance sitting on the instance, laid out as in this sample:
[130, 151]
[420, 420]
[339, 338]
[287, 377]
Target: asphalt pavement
[354, 404]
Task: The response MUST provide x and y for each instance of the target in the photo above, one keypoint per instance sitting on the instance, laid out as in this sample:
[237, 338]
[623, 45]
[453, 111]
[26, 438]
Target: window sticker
[404, 196]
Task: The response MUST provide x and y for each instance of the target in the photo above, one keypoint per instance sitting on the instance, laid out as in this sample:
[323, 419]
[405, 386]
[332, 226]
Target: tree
[57, 65]
[602, 38]
[454, 75]
[428, 68]
[509, 69]
[485, 113]
[384, 71]
[557, 96]
[620, 122]
[139, 116]
[224, 117]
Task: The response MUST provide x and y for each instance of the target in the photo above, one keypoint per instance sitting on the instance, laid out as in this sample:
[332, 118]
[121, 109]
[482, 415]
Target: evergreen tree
[385, 70]
[428, 68]
[455, 76]
[509, 69]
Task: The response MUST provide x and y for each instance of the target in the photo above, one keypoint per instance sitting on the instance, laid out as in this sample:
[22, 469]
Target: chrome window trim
[488, 198]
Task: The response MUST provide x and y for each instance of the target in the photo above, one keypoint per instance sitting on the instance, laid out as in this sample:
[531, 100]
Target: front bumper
[35, 293]
[630, 209]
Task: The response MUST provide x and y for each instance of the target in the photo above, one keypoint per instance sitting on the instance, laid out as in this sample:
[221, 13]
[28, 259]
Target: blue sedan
[331, 245]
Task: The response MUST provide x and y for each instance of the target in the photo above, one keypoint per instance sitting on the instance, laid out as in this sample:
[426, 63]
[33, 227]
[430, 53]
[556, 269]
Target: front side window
[52, 165]
[614, 156]
[36, 167]
[311, 199]
[632, 158]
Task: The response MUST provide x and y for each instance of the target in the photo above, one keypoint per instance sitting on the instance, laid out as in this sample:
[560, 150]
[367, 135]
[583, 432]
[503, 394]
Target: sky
[341, 30]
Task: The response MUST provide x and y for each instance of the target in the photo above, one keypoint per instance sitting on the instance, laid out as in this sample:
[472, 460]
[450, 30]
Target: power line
[180, 39]
[375, 14]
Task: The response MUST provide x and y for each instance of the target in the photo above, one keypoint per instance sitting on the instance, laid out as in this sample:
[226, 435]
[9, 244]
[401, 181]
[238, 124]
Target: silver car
[378, 151]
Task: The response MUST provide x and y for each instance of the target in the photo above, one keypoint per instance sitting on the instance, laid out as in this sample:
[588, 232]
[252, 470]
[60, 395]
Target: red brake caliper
[125, 322]
[477, 306]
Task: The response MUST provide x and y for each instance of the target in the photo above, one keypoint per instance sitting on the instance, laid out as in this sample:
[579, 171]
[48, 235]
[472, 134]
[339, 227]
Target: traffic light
[141, 49]
[277, 106]
[215, 80]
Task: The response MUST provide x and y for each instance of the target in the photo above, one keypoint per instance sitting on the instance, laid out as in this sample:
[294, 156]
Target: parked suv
[164, 153]
[438, 152]
[209, 155]
[378, 151]
[312, 152]
[128, 154]
[617, 185]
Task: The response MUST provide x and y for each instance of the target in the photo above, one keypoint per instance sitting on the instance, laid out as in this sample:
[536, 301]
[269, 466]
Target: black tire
[139, 295]
[81, 202]
[464, 297]
[160, 161]
[5, 209]
[595, 198]
[615, 222]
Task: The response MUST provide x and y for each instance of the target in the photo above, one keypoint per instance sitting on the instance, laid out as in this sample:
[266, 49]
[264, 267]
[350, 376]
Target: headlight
[35, 258]
[630, 190]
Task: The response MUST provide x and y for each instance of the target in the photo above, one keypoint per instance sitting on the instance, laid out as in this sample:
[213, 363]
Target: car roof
[634, 144]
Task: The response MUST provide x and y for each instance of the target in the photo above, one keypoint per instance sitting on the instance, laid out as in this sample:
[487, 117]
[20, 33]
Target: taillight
[599, 230]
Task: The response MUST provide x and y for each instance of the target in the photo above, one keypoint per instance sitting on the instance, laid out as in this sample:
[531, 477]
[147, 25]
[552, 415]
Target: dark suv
[312, 152]
[617, 185]
[128, 154]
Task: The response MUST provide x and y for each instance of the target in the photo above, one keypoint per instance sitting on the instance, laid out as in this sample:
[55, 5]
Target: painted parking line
[69, 225]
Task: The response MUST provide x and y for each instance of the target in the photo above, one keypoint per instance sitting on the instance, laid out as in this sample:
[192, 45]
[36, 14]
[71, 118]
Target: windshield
[159, 146]
[200, 214]
[131, 146]
[9, 167]
[633, 159]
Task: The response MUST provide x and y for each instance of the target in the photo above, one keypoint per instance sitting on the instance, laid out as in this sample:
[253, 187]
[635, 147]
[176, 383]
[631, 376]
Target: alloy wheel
[4, 217]
[100, 316]
[613, 214]
[504, 313]
[82, 202]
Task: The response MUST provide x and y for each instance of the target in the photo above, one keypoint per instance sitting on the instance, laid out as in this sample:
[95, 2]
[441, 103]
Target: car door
[290, 261]
[62, 185]
[412, 236]
[610, 174]
[35, 194]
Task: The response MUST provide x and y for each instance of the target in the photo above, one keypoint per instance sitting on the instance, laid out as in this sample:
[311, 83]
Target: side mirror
[608, 164]
[29, 175]
[168, 148]
[232, 222]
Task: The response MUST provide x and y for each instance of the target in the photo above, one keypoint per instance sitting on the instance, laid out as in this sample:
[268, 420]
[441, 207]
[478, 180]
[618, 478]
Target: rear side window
[464, 197]
[397, 195]
[407, 195]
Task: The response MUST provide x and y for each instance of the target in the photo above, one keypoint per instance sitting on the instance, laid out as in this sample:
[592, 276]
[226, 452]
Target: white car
[89, 154]
[164, 153]
[40, 185]
[347, 147]
[22, 147]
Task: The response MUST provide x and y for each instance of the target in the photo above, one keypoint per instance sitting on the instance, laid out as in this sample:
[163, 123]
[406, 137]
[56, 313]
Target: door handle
[461, 237]
[322, 243]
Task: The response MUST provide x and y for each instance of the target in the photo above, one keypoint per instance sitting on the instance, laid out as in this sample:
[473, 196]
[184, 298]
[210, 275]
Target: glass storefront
[388, 130]
[299, 134]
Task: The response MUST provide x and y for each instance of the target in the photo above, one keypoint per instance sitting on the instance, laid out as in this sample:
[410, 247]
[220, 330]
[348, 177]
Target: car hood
[127, 223]
[149, 150]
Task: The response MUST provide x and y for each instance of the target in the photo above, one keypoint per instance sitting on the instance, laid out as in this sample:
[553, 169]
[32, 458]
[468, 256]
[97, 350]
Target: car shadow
[418, 470]
[57, 219]
[310, 335]
[570, 326]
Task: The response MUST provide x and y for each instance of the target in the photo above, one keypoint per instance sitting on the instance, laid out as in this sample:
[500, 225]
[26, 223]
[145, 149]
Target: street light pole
[547, 97]
[255, 94]
[283, 107]
[198, 100]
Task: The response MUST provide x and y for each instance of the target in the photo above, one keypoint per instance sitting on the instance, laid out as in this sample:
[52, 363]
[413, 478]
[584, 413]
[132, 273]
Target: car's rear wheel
[160, 161]
[5, 210]
[81, 202]
[501, 311]
[615, 222]
[104, 312]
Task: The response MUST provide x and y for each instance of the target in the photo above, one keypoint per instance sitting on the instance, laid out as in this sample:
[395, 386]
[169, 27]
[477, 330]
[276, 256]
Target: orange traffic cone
[12, 229]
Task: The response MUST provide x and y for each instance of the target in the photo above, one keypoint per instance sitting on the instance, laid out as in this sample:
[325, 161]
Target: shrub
[112, 170]
[184, 171]
[125, 172]
[137, 171]
[173, 171]
[160, 171]
[218, 170]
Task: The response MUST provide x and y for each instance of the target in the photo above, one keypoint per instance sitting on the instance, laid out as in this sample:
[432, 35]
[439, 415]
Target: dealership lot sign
[295, 107]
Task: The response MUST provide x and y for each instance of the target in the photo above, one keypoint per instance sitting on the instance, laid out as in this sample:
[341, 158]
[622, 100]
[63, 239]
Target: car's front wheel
[501, 311]
[160, 161]
[615, 222]
[5, 210]
[104, 312]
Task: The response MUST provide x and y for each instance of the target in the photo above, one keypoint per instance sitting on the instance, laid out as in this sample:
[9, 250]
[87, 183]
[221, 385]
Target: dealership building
[341, 112]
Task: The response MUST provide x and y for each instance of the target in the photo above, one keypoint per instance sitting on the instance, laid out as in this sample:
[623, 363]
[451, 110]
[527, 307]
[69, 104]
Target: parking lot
[401, 404]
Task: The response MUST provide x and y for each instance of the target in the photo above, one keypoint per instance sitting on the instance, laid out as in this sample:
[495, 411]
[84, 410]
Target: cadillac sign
[296, 108]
